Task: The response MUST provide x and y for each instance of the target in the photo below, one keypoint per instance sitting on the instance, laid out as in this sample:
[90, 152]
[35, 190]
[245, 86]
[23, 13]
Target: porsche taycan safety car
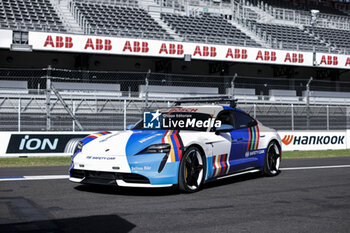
[183, 145]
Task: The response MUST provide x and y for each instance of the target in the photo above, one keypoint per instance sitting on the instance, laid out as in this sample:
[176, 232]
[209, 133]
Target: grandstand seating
[172, 4]
[126, 21]
[38, 15]
[302, 6]
[337, 37]
[207, 28]
[291, 37]
[121, 21]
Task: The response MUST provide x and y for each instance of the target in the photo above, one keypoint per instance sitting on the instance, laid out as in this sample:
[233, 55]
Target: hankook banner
[314, 140]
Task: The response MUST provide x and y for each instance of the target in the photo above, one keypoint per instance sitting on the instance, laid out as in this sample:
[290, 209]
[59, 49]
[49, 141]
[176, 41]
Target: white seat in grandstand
[176, 91]
[243, 94]
[330, 97]
[88, 88]
[283, 95]
[15, 87]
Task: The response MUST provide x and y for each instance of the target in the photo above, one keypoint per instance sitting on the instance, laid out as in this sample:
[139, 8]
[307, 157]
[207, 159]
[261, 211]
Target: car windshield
[175, 121]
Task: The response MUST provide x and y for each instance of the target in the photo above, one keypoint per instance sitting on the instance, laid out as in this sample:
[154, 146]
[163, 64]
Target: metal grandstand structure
[249, 23]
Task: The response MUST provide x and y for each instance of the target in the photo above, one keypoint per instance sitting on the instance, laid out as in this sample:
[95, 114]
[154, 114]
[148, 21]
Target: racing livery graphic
[190, 145]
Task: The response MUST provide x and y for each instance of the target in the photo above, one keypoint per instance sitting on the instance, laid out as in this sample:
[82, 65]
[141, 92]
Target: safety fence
[70, 100]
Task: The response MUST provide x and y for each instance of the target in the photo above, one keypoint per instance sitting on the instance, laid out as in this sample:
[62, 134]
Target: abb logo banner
[333, 61]
[156, 48]
[313, 140]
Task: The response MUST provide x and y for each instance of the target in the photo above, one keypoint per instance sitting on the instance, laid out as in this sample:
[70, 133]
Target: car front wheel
[192, 170]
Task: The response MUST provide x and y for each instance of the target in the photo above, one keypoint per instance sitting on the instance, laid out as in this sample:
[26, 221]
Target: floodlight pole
[308, 104]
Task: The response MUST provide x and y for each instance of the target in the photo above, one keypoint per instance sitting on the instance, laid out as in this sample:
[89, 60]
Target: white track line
[314, 167]
[58, 177]
[45, 177]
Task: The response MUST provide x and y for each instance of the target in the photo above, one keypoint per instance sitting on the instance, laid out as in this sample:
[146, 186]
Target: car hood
[120, 143]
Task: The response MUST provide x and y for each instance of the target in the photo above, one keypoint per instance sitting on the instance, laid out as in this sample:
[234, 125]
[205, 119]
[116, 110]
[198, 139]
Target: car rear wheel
[192, 170]
[272, 159]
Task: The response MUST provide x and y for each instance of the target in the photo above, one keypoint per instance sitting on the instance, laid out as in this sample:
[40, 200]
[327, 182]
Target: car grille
[106, 177]
[77, 173]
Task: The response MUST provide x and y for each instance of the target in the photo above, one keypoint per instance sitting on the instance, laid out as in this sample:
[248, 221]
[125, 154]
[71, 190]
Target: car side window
[226, 117]
[243, 120]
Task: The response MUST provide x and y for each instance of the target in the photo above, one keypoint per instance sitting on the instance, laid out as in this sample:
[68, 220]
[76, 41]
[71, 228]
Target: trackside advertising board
[34, 144]
[332, 60]
[171, 49]
[59, 42]
[315, 140]
[39, 143]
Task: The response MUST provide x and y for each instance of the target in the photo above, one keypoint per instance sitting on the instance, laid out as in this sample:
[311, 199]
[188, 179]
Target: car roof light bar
[208, 99]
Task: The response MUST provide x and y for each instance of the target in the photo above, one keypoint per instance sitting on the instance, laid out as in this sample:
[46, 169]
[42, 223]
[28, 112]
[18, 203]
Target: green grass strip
[35, 161]
[315, 154]
[65, 161]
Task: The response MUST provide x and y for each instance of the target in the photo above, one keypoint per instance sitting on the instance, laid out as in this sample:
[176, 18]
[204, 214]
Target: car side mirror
[252, 124]
[223, 128]
[130, 127]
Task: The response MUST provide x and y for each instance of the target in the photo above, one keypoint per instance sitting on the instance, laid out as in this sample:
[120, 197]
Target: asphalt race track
[305, 200]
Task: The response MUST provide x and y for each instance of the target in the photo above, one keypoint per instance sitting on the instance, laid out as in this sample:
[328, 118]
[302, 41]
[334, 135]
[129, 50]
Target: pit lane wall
[36, 144]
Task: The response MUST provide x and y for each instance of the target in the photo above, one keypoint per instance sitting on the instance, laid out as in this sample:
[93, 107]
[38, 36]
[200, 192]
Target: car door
[245, 139]
[239, 140]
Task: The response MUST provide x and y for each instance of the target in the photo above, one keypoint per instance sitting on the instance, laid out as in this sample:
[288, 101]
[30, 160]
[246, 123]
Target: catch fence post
[327, 117]
[233, 85]
[292, 113]
[146, 94]
[48, 96]
[124, 114]
[74, 115]
[19, 114]
[308, 104]
[254, 110]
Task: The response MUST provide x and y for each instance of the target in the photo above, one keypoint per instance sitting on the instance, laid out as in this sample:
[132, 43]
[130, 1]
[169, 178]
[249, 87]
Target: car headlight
[78, 148]
[156, 148]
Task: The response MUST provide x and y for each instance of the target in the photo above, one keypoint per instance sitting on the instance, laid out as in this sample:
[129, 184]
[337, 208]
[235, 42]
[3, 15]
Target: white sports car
[183, 145]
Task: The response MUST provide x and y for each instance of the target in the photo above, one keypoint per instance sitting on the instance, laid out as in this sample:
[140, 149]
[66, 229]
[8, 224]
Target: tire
[192, 170]
[272, 159]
